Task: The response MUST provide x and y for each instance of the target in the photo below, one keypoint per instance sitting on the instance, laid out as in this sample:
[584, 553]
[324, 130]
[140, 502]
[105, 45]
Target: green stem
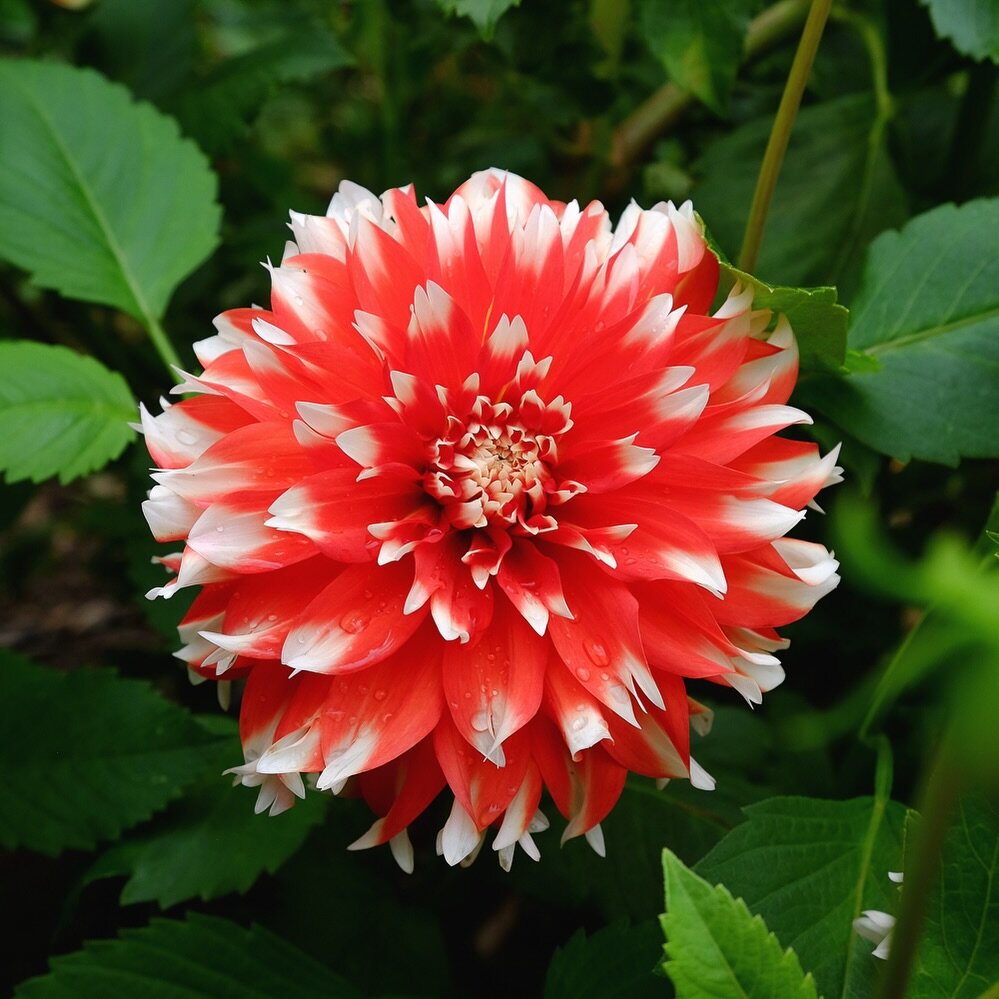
[664, 107]
[970, 131]
[937, 804]
[163, 346]
[780, 134]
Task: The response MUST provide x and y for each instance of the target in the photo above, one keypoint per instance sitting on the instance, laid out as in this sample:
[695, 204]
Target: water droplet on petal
[220, 528]
[272, 617]
[578, 724]
[480, 721]
[583, 673]
[353, 622]
[186, 437]
[597, 652]
[380, 695]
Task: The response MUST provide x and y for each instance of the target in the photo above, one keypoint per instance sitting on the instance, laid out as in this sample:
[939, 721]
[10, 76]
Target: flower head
[476, 496]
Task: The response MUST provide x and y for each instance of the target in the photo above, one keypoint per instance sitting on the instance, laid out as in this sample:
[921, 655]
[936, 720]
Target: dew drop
[363, 689]
[583, 673]
[300, 639]
[605, 677]
[380, 695]
[468, 696]
[220, 528]
[354, 621]
[597, 652]
[480, 721]
[368, 594]
[186, 437]
[580, 707]
[578, 724]
[272, 617]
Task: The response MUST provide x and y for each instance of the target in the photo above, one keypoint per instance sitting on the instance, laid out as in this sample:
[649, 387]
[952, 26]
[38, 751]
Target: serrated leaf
[61, 413]
[958, 953]
[809, 867]
[928, 313]
[972, 26]
[86, 754]
[201, 956]
[207, 845]
[699, 44]
[715, 947]
[837, 190]
[484, 14]
[819, 323]
[100, 198]
[616, 962]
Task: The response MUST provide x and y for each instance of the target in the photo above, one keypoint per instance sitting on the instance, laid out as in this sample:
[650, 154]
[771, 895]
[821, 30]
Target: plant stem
[797, 79]
[937, 804]
[163, 346]
[664, 107]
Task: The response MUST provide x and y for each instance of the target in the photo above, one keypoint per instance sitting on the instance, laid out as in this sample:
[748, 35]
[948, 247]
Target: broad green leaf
[837, 190]
[484, 14]
[958, 954]
[207, 845]
[928, 313]
[971, 25]
[715, 947]
[819, 324]
[86, 754]
[809, 867]
[100, 198]
[616, 962]
[201, 957]
[61, 413]
[699, 44]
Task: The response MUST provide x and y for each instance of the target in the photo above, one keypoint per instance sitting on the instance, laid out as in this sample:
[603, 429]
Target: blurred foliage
[134, 116]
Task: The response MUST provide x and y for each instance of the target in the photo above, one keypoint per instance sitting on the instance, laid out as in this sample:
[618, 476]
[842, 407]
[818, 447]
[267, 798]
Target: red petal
[375, 715]
[494, 687]
[354, 622]
[480, 787]
[602, 647]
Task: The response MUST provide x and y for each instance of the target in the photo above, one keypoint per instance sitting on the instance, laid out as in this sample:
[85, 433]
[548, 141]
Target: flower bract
[475, 499]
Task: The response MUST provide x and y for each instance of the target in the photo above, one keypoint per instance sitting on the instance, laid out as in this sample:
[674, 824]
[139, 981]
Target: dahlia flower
[475, 497]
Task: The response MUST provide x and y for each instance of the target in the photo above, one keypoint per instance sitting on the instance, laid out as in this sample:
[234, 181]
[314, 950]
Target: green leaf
[484, 14]
[87, 754]
[971, 25]
[207, 845]
[100, 198]
[699, 44]
[809, 867]
[715, 947]
[819, 323]
[60, 413]
[958, 955]
[928, 313]
[616, 962]
[837, 190]
[201, 956]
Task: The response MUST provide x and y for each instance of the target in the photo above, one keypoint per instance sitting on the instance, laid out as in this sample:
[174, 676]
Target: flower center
[489, 469]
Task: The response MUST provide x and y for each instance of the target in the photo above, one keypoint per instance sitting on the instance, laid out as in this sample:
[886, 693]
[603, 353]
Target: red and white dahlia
[475, 496]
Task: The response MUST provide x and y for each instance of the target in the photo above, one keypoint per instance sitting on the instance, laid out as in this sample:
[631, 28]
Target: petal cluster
[475, 497]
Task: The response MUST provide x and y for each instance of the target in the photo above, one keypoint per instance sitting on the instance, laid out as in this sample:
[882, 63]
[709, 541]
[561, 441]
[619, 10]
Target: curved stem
[163, 346]
[939, 799]
[666, 105]
[780, 134]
